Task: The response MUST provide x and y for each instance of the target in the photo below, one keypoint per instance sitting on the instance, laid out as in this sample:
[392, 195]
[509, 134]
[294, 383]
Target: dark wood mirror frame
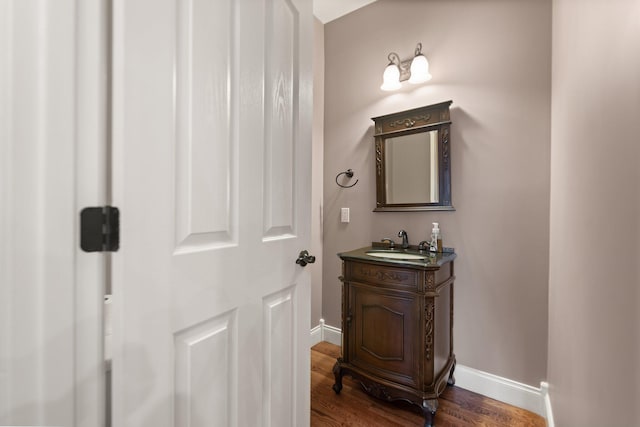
[418, 120]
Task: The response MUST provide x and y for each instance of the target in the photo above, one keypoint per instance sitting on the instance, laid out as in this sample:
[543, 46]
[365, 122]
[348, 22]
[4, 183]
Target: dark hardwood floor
[353, 407]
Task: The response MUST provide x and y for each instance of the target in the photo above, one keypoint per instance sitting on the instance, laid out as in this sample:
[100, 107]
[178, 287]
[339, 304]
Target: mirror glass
[413, 162]
[412, 159]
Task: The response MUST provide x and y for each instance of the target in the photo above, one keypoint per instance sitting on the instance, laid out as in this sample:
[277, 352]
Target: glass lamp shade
[419, 70]
[391, 78]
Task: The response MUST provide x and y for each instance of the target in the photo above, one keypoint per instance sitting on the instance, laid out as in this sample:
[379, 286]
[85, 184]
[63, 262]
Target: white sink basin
[395, 255]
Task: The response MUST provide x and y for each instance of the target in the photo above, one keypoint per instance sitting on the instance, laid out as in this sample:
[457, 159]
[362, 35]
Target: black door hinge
[100, 229]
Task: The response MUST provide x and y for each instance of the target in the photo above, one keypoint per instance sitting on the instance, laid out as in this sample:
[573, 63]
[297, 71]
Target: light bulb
[419, 70]
[391, 78]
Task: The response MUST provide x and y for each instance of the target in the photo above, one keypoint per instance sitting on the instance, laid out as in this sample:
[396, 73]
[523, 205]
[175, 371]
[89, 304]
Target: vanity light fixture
[415, 70]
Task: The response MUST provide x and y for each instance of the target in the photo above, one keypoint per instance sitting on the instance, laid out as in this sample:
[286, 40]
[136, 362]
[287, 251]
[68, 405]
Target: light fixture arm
[418, 50]
[394, 58]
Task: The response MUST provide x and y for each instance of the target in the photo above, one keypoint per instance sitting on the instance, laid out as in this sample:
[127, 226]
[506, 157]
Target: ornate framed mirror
[413, 159]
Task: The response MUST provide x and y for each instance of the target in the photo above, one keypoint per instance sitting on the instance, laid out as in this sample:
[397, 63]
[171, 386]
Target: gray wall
[493, 59]
[594, 296]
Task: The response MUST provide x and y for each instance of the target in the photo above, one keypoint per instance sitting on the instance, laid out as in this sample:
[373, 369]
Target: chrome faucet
[423, 246]
[392, 244]
[405, 239]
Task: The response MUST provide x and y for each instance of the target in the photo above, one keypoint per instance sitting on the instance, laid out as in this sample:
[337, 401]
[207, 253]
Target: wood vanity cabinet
[397, 325]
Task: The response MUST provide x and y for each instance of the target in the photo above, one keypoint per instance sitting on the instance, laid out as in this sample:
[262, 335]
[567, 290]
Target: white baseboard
[324, 332]
[316, 335]
[544, 389]
[503, 389]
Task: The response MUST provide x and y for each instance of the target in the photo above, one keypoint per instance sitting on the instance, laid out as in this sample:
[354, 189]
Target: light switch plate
[344, 214]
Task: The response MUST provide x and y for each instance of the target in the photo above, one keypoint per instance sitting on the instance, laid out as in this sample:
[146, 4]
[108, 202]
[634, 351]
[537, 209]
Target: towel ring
[349, 174]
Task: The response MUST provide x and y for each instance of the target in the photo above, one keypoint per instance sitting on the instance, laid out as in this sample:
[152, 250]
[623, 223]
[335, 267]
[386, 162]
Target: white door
[52, 141]
[211, 172]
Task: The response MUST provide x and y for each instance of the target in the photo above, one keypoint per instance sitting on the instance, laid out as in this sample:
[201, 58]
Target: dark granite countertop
[428, 260]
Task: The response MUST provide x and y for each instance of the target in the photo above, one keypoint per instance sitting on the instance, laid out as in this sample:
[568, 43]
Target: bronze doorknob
[304, 258]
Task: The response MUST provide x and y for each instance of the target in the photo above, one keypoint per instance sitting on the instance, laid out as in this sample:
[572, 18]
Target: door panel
[205, 356]
[206, 169]
[381, 323]
[279, 320]
[281, 74]
[211, 171]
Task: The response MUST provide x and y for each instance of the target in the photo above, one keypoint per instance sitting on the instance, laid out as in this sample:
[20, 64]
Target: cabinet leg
[452, 379]
[337, 373]
[429, 408]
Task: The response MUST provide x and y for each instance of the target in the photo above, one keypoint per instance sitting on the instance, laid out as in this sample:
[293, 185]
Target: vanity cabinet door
[383, 331]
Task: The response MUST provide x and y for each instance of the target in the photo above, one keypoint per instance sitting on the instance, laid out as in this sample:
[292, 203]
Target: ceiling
[328, 10]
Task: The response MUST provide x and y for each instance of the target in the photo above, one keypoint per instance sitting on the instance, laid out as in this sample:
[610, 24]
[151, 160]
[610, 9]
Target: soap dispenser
[435, 244]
